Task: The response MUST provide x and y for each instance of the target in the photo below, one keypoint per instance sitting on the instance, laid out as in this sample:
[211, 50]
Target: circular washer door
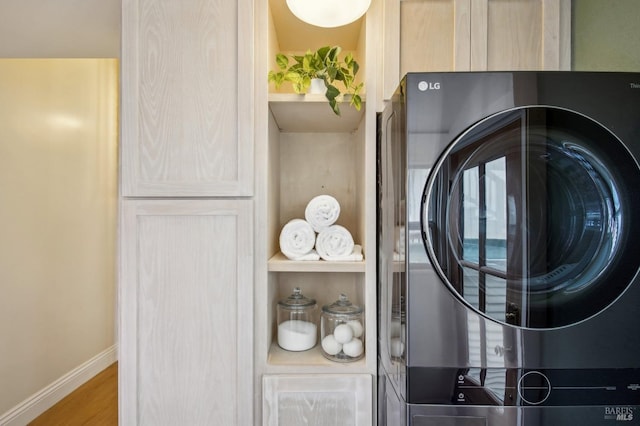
[528, 217]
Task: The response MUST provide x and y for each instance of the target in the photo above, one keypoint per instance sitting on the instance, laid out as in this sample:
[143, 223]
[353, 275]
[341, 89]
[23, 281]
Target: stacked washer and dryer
[509, 249]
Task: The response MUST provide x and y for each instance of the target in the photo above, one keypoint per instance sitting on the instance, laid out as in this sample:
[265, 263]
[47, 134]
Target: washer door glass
[528, 217]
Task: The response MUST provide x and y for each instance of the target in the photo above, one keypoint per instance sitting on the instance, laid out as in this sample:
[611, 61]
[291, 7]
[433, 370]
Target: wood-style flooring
[94, 403]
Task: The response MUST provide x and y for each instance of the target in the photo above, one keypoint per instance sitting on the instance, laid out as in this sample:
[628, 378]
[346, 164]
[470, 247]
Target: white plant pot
[317, 86]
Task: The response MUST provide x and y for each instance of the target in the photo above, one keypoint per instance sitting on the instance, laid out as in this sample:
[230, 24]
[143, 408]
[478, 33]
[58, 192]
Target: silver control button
[534, 387]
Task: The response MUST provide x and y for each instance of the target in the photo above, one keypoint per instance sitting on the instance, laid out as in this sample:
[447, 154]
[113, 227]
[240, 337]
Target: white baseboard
[46, 398]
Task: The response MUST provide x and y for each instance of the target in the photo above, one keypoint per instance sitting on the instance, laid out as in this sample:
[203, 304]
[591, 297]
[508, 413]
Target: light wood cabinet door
[520, 35]
[434, 34]
[187, 98]
[482, 35]
[315, 400]
[186, 313]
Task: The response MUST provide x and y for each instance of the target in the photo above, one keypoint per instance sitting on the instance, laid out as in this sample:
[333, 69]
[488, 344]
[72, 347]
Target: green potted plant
[323, 64]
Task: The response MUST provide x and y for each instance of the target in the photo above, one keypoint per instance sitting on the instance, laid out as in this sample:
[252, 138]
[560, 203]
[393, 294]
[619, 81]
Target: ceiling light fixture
[328, 13]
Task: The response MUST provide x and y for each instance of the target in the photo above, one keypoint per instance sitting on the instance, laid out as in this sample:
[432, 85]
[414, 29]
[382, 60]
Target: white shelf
[312, 113]
[311, 358]
[280, 263]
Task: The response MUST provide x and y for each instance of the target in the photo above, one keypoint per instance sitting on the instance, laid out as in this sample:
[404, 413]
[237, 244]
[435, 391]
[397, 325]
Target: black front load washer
[509, 249]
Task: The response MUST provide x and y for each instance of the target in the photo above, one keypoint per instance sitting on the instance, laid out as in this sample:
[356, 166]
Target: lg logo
[423, 86]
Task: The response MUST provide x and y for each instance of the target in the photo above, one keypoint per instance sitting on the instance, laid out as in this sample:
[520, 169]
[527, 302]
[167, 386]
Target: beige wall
[58, 210]
[60, 29]
[606, 36]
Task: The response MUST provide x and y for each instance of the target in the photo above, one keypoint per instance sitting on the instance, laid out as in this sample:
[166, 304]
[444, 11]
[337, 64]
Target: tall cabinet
[304, 150]
[186, 228]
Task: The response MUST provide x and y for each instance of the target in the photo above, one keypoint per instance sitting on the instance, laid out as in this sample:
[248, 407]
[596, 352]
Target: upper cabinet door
[187, 98]
[520, 35]
[481, 35]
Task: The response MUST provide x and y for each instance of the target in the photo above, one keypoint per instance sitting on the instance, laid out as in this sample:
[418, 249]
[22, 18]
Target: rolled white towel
[312, 255]
[355, 256]
[322, 211]
[334, 243]
[297, 239]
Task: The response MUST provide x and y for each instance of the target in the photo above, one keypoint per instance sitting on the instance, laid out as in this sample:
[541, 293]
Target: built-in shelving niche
[312, 151]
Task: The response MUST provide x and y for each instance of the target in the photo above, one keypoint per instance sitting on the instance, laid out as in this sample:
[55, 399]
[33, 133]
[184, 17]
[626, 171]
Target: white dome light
[328, 13]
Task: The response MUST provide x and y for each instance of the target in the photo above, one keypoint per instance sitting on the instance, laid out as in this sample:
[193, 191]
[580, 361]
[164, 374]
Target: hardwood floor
[93, 403]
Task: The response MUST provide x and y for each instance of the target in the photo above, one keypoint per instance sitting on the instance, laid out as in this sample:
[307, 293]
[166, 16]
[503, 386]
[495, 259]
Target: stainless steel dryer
[509, 249]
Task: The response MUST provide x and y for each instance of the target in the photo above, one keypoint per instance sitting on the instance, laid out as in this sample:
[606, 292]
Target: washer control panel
[547, 387]
[524, 387]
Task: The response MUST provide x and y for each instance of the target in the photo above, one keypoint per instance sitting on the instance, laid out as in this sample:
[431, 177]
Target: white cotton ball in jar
[397, 347]
[395, 328]
[330, 346]
[356, 327]
[353, 349]
[343, 333]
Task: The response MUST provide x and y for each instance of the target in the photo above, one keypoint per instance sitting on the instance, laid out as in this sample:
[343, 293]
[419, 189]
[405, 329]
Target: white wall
[58, 211]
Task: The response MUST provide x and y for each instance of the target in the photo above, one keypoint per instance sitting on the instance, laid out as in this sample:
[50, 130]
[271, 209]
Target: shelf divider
[280, 263]
[311, 113]
[311, 358]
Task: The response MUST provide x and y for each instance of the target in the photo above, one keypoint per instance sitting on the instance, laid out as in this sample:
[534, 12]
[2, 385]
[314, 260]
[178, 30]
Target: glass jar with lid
[342, 331]
[297, 329]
